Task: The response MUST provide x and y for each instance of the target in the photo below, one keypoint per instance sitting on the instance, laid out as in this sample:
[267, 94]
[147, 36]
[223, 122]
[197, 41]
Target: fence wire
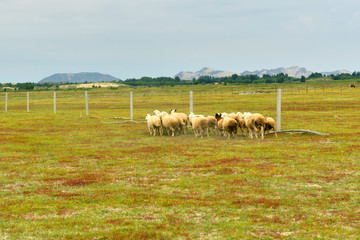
[316, 108]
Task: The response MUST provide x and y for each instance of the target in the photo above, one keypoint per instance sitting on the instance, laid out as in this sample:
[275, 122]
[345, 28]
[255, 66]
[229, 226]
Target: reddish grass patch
[118, 222]
[258, 202]
[84, 180]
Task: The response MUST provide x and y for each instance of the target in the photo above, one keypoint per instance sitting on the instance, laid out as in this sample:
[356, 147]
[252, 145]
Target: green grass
[65, 177]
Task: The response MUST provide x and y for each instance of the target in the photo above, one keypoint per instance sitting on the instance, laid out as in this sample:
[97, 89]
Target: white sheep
[211, 123]
[199, 125]
[154, 124]
[170, 123]
[226, 124]
[183, 120]
[255, 123]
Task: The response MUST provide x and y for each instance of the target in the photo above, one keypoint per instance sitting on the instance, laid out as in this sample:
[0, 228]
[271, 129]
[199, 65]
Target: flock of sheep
[174, 123]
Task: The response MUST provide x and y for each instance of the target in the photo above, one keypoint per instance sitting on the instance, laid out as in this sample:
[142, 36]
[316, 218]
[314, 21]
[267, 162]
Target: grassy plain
[63, 176]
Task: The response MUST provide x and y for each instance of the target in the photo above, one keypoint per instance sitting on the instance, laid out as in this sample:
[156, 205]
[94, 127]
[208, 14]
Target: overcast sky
[136, 38]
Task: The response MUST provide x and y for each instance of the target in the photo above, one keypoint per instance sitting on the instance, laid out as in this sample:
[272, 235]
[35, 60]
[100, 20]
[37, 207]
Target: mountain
[204, 72]
[338, 72]
[78, 78]
[294, 71]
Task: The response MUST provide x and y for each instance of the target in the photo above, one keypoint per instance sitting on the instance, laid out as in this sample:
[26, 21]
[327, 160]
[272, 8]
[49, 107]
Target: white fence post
[278, 111]
[28, 105]
[191, 102]
[54, 102]
[6, 101]
[86, 103]
[131, 106]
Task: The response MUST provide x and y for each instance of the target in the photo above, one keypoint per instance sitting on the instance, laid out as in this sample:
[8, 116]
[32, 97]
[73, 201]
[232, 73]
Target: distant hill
[294, 71]
[204, 72]
[79, 78]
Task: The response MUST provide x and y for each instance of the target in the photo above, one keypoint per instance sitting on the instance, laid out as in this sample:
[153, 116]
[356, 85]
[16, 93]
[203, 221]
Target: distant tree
[234, 77]
[316, 75]
[281, 77]
[269, 80]
[303, 79]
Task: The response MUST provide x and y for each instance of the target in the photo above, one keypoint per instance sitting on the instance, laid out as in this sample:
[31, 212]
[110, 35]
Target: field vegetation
[72, 176]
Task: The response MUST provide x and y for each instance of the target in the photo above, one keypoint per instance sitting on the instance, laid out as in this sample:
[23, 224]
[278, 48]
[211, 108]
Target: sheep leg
[256, 132]
[275, 132]
[195, 133]
[161, 131]
[250, 133]
[201, 133]
[185, 128]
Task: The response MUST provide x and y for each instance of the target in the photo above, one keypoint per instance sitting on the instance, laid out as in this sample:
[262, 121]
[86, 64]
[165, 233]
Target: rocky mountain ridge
[294, 71]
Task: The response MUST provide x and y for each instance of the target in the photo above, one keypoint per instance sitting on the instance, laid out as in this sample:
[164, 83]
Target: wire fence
[331, 106]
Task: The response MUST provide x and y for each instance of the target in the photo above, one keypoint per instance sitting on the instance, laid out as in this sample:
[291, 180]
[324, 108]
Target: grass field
[66, 177]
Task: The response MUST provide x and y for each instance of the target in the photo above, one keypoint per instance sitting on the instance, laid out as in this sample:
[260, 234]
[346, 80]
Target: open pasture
[63, 176]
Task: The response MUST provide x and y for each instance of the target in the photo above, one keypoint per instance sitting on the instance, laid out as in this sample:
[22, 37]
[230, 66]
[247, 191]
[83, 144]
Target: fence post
[191, 102]
[131, 106]
[86, 103]
[27, 100]
[6, 101]
[54, 102]
[278, 111]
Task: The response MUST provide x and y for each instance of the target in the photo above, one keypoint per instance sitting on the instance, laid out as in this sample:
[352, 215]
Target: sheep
[183, 119]
[170, 123]
[242, 124]
[154, 124]
[199, 125]
[245, 114]
[211, 123]
[191, 114]
[254, 122]
[156, 112]
[270, 124]
[224, 114]
[239, 119]
[227, 124]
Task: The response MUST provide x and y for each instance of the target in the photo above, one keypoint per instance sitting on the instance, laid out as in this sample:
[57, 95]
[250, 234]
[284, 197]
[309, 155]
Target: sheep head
[218, 116]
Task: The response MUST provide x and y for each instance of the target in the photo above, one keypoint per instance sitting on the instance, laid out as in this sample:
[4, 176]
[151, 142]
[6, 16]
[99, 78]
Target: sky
[155, 38]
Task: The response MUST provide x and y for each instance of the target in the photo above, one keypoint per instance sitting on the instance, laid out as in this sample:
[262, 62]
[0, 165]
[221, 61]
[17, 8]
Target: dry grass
[63, 177]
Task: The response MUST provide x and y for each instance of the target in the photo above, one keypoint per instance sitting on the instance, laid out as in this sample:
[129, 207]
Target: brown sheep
[170, 123]
[255, 123]
[270, 124]
[227, 124]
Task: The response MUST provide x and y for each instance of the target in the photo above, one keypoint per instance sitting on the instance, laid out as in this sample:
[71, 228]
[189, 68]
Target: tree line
[168, 81]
